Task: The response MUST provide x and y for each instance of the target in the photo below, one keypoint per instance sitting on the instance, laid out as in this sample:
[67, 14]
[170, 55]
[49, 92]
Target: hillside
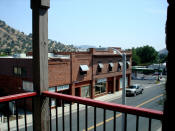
[13, 41]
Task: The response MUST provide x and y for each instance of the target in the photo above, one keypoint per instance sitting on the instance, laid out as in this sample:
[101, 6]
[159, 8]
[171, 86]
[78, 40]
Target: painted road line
[118, 115]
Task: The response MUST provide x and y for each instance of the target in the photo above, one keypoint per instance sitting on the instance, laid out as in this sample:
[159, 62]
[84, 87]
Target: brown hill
[13, 41]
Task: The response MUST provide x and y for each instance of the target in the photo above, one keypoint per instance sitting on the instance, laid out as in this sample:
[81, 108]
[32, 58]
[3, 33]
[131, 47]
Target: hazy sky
[120, 23]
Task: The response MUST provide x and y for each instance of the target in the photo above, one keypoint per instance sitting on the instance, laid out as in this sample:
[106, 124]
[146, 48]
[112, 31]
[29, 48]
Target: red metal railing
[17, 96]
[138, 112]
[19, 102]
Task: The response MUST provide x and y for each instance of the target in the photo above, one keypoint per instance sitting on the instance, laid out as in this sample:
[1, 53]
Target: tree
[135, 58]
[163, 58]
[144, 55]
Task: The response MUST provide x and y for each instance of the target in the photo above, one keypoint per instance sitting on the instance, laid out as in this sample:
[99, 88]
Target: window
[100, 86]
[127, 64]
[111, 65]
[100, 67]
[19, 71]
[15, 70]
[119, 66]
[85, 91]
[83, 69]
[27, 86]
[53, 101]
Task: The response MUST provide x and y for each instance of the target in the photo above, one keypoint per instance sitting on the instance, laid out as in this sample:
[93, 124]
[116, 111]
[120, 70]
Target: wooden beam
[170, 40]
[40, 63]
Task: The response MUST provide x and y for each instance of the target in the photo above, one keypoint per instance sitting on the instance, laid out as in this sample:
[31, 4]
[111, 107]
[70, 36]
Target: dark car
[134, 90]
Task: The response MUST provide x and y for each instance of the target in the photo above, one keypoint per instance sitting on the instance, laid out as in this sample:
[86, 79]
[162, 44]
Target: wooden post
[169, 108]
[40, 63]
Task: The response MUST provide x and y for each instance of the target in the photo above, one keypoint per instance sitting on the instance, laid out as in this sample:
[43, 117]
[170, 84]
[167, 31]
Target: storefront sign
[101, 80]
[63, 87]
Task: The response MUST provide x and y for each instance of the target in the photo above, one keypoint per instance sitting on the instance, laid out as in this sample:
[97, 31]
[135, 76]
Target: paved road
[151, 98]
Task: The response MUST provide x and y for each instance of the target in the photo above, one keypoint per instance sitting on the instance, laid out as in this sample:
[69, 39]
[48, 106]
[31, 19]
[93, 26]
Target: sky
[106, 23]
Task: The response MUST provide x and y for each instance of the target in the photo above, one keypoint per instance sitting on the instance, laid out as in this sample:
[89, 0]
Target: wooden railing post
[40, 63]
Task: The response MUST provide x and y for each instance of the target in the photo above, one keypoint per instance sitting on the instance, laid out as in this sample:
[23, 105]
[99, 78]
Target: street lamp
[123, 83]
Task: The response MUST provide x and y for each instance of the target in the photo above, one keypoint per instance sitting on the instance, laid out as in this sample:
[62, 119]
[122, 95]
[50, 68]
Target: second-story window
[127, 65]
[119, 66]
[100, 67]
[83, 69]
[111, 65]
[17, 70]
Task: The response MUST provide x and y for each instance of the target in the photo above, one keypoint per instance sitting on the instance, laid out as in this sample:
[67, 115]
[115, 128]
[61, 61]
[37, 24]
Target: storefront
[53, 101]
[86, 91]
[64, 89]
[83, 89]
[100, 86]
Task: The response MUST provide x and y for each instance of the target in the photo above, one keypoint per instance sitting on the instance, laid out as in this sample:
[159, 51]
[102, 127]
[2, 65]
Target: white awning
[111, 64]
[84, 67]
[100, 65]
[121, 63]
[128, 62]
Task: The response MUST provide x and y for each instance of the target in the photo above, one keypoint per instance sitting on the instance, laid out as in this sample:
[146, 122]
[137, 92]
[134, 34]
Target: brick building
[85, 74]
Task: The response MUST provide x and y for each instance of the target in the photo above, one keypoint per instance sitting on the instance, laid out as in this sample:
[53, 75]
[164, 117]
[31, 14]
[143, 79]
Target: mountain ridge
[13, 41]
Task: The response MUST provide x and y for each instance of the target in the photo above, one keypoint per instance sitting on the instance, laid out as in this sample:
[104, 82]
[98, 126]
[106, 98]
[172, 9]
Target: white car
[134, 90]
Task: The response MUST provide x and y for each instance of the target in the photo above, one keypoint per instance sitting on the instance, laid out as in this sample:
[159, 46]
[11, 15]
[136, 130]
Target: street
[151, 98]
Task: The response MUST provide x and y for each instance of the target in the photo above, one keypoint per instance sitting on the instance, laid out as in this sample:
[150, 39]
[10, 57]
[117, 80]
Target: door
[110, 84]
[77, 92]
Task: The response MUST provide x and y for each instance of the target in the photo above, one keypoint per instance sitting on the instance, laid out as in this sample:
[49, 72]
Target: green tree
[135, 58]
[163, 58]
[144, 55]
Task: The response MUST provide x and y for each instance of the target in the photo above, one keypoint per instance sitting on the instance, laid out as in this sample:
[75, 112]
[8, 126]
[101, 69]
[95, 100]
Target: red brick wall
[59, 73]
[10, 85]
[7, 65]
[81, 59]
[105, 61]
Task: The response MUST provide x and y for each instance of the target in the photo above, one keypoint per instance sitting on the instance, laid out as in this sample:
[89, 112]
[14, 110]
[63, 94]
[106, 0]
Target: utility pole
[123, 84]
[123, 88]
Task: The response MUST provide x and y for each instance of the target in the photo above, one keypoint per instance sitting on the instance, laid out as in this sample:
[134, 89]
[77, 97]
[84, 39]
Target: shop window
[100, 67]
[53, 101]
[111, 65]
[27, 86]
[83, 69]
[51, 89]
[85, 91]
[100, 86]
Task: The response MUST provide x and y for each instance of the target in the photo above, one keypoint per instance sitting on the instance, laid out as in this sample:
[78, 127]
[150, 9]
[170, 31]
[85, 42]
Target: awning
[128, 62]
[84, 67]
[111, 64]
[100, 65]
[121, 63]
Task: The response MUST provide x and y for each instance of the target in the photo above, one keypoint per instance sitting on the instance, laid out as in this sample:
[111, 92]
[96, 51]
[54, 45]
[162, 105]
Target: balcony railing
[94, 113]
[115, 108]
[19, 102]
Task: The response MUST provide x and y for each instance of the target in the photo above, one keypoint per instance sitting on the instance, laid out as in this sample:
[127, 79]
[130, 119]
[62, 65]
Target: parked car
[134, 90]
